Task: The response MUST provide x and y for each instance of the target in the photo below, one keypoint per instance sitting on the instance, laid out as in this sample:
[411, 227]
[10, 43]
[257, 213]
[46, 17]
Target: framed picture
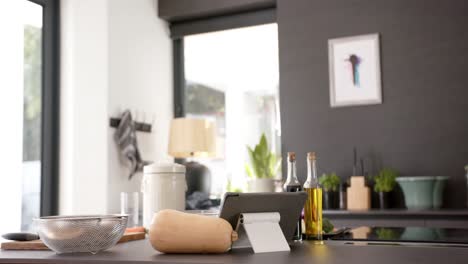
[354, 69]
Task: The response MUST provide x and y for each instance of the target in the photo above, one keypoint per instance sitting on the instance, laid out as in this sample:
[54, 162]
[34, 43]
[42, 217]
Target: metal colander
[87, 233]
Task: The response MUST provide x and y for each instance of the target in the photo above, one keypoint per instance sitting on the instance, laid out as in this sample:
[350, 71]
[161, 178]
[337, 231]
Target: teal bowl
[418, 191]
[438, 194]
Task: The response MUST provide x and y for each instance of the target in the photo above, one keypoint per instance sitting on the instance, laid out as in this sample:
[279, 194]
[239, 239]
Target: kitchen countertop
[305, 252]
[399, 212]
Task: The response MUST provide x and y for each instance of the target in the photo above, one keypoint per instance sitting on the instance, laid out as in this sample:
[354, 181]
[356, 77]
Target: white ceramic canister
[163, 187]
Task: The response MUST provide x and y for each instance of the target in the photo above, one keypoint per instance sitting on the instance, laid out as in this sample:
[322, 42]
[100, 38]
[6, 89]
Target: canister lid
[164, 167]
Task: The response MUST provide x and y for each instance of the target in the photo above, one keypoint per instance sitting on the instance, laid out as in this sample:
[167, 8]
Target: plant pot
[418, 191]
[261, 185]
[384, 200]
[330, 200]
[438, 193]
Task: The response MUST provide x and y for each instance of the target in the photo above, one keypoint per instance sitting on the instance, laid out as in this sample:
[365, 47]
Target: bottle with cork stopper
[313, 207]
[292, 184]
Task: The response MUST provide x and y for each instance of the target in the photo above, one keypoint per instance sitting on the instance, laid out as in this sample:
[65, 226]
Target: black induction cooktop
[418, 235]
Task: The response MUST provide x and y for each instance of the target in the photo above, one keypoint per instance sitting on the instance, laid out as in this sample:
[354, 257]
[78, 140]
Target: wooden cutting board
[39, 245]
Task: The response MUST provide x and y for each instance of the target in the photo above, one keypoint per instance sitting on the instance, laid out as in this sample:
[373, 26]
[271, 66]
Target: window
[232, 77]
[29, 95]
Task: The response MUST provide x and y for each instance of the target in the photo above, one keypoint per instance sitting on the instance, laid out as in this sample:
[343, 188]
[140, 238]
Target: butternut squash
[176, 232]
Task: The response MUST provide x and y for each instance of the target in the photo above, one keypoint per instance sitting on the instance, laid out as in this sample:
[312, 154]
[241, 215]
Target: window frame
[50, 112]
[179, 30]
[179, 77]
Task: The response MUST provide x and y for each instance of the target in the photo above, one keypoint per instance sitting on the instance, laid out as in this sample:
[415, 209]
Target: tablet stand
[264, 232]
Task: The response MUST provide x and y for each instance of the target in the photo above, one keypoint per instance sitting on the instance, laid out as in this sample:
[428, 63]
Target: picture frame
[355, 71]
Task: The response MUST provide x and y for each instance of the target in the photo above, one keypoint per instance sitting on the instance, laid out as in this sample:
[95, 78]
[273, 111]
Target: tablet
[288, 204]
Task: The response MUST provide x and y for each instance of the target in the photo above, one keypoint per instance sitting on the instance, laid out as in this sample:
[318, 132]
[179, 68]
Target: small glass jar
[343, 196]
[129, 205]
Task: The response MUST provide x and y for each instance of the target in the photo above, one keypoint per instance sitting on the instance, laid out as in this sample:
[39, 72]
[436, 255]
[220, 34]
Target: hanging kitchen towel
[125, 137]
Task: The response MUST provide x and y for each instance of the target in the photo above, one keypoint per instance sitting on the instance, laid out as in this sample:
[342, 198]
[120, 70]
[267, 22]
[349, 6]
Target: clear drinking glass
[129, 205]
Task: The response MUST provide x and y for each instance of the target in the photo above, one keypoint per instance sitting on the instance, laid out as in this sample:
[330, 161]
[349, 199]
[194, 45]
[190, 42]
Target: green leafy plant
[385, 181]
[263, 162]
[330, 182]
[327, 226]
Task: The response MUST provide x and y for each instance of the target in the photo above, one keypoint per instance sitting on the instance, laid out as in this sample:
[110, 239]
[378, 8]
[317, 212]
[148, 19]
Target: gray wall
[422, 126]
[420, 129]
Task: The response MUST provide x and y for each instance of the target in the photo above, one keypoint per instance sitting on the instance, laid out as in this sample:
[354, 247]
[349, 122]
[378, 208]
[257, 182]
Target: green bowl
[418, 191]
[438, 192]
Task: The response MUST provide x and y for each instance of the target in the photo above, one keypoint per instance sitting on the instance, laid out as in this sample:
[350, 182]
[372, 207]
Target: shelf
[445, 218]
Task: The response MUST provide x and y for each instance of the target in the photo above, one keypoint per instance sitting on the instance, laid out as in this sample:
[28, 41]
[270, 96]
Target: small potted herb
[263, 167]
[330, 184]
[384, 183]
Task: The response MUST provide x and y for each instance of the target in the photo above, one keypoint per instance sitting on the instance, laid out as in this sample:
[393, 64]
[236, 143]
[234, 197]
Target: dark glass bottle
[292, 184]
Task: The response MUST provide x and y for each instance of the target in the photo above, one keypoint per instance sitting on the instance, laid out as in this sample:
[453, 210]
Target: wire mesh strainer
[87, 233]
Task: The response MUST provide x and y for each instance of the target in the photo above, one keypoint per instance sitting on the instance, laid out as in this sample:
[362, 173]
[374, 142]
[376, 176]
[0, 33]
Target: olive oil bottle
[313, 206]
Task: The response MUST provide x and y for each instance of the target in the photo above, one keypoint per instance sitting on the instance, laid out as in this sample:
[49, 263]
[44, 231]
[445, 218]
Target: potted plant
[263, 167]
[330, 184]
[384, 183]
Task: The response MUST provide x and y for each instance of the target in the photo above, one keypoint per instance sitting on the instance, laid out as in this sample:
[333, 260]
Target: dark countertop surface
[399, 212]
[305, 252]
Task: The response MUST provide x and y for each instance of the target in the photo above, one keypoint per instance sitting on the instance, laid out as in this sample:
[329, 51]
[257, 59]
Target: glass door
[232, 78]
[20, 113]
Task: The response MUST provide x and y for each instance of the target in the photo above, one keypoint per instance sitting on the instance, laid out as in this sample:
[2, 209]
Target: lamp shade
[190, 137]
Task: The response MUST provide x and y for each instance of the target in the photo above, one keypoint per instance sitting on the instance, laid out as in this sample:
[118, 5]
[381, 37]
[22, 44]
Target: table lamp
[193, 138]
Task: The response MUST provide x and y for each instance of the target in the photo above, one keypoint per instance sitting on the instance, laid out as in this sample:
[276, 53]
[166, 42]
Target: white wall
[116, 54]
[140, 69]
[84, 95]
